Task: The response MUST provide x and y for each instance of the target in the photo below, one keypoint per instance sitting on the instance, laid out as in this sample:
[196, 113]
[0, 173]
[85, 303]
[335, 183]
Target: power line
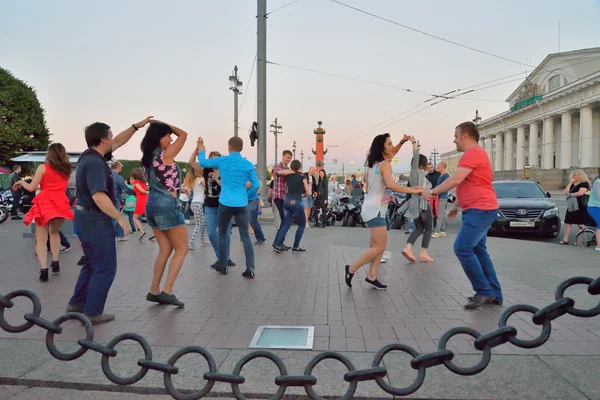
[248, 84]
[430, 34]
[363, 81]
[282, 7]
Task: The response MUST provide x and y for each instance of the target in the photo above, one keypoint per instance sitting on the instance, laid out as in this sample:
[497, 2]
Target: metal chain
[420, 362]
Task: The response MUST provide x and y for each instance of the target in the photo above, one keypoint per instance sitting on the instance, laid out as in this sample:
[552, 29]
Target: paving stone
[581, 372]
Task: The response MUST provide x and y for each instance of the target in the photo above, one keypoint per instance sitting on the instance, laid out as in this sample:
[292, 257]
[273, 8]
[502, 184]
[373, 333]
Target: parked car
[525, 209]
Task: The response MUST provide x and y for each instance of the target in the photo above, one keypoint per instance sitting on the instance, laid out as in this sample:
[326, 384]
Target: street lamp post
[276, 130]
[294, 149]
[236, 86]
[302, 156]
[477, 118]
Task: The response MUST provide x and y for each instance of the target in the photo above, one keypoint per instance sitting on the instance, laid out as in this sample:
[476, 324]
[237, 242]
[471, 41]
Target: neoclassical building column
[499, 152]
[587, 148]
[548, 144]
[489, 147]
[565, 140]
[520, 148]
[509, 151]
[533, 144]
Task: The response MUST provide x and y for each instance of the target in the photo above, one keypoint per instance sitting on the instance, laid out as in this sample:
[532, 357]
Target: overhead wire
[248, 85]
[282, 7]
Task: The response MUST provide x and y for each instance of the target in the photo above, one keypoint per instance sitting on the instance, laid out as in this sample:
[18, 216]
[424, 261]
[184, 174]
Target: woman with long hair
[140, 187]
[212, 194]
[577, 187]
[379, 181]
[419, 209]
[51, 206]
[195, 181]
[162, 211]
[593, 208]
[321, 198]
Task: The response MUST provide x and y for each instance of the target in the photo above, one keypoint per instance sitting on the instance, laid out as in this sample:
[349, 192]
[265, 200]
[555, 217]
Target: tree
[22, 118]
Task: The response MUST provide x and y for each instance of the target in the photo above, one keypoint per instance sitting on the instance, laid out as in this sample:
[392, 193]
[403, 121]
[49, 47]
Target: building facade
[451, 159]
[553, 123]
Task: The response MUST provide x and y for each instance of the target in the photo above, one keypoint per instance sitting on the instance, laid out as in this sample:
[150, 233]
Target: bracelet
[135, 127]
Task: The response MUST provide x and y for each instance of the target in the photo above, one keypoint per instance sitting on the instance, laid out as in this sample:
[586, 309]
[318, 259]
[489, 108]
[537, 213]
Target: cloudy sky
[118, 61]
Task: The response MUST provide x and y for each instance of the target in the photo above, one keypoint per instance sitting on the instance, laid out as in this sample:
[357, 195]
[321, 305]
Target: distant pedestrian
[321, 200]
[593, 208]
[195, 180]
[442, 202]
[297, 186]
[279, 188]
[16, 192]
[162, 210]
[235, 172]
[120, 189]
[379, 183]
[94, 213]
[140, 187]
[477, 198]
[129, 204]
[577, 213]
[51, 206]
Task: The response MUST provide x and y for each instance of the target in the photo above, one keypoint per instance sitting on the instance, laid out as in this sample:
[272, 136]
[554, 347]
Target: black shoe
[64, 249]
[249, 273]
[230, 263]
[494, 301]
[376, 284]
[152, 298]
[152, 238]
[82, 261]
[215, 264]
[259, 242]
[143, 236]
[285, 248]
[44, 275]
[55, 267]
[16, 218]
[222, 270]
[278, 249]
[348, 276]
[298, 250]
[170, 299]
[478, 301]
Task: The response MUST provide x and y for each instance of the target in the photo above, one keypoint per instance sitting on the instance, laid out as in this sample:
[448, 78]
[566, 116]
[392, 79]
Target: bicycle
[586, 237]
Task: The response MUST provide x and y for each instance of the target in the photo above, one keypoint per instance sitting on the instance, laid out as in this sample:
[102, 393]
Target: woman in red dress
[51, 206]
[141, 196]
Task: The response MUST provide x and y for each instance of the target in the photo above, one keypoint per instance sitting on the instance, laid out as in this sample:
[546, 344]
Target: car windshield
[518, 190]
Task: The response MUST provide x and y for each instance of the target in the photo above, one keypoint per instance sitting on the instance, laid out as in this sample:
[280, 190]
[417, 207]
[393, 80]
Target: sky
[117, 61]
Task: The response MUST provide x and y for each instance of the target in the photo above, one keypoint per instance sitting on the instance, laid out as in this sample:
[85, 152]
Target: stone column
[509, 150]
[548, 144]
[489, 146]
[520, 148]
[565, 140]
[587, 144]
[499, 152]
[533, 144]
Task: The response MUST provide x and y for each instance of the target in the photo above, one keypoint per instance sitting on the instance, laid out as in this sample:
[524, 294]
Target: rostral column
[321, 151]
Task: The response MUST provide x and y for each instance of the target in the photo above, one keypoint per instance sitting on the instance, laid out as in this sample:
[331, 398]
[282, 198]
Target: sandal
[562, 242]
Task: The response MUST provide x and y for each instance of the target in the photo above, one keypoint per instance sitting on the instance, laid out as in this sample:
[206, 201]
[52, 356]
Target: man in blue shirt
[440, 229]
[120, 188]
[235, 172]
[94, 214]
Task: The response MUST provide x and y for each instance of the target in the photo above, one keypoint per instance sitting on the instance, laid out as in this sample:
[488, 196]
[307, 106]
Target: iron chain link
[419, 362]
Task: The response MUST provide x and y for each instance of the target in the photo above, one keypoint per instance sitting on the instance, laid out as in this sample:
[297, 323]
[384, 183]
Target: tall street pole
[261, 87]
[235, 85]
[276, 129]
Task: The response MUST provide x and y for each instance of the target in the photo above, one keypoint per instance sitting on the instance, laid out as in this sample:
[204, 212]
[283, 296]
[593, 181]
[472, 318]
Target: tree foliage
[22, 121]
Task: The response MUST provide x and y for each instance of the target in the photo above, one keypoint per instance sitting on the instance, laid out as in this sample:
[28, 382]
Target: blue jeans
[470, 248]
[253, 217]
[292, 208]
[96, 233]
[130, 216]
[210, 216]
[224, 216]
[118, 230]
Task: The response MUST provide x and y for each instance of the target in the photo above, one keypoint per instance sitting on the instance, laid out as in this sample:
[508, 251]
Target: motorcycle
[26, 202]
[397, 219]
[3, 214]
[353, 215]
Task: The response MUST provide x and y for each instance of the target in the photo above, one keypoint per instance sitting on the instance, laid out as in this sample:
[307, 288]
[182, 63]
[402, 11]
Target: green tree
[22, 121]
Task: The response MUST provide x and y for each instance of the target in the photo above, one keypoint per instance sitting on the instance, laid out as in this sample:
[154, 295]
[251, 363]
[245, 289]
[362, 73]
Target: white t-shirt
[184, 197]
[198, 191]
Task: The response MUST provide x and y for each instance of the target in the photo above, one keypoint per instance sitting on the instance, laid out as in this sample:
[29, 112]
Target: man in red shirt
[279, 186]
[477, 198]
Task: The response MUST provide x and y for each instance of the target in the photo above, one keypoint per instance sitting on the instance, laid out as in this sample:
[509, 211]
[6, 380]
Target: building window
[554, 83]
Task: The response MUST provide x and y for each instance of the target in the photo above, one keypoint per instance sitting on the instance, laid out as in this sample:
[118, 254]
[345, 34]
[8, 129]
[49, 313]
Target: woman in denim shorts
[162, 210]
[379, 182]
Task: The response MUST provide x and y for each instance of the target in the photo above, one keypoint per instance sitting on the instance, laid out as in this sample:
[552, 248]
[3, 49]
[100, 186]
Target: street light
[302, 156]
[276, 130]
[236, 86]
[477, 118]
[294, 149]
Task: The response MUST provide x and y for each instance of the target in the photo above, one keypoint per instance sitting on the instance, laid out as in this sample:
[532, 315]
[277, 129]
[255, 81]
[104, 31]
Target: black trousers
[279, 205]
[16, 199]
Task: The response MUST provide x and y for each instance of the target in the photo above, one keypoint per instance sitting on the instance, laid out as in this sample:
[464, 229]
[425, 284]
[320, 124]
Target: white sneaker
[188, 222]
[597, 248]
[435, 235]
[443, 234]
[191, 246]
[386, 256]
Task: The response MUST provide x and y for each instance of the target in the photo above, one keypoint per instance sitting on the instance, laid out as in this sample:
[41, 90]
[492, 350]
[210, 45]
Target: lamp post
[302, 156]
[294, 149]
[477, 118]
[236, 86]
[276, 130]
[527, 172]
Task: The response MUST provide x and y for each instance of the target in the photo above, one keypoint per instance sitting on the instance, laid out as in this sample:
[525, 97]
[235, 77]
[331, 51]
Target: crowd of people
[223, 188]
